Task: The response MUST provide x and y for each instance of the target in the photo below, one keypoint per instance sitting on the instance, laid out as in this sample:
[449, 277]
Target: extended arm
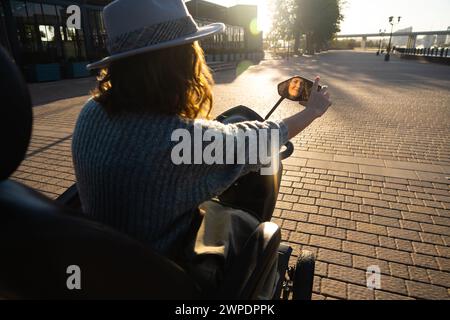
[318, 104]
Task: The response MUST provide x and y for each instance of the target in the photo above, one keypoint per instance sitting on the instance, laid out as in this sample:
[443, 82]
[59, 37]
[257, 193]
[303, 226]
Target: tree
[283, 20]
[318, 20]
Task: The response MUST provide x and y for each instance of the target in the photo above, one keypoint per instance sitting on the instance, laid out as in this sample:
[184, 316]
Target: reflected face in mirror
[295, 86]
[296, 89]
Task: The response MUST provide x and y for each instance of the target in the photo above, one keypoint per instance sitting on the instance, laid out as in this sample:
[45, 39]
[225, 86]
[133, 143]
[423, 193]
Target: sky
[369, 16]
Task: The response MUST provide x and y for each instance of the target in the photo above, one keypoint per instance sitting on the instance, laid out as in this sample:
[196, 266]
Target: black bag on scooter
[222, 233]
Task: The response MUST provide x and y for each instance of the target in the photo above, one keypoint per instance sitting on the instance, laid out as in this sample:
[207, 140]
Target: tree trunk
[297, 36]
[309, 43]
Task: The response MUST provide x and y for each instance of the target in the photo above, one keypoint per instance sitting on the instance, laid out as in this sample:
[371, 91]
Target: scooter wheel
[304, 276]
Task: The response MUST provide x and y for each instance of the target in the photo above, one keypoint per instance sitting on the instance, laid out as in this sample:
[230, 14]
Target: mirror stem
[274, 108]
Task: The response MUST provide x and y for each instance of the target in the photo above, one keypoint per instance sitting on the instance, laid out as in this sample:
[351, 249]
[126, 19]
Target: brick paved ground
[367, 184]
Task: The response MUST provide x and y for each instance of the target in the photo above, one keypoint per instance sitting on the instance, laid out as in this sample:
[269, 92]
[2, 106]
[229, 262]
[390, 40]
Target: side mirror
[296, 89]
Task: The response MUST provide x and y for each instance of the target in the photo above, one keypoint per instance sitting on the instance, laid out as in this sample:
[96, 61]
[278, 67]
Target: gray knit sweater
[127, 180]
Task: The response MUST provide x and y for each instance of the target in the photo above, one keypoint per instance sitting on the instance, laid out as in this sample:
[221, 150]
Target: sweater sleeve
[247, 147]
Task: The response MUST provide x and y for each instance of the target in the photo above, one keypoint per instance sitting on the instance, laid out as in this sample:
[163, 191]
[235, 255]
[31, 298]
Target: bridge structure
[412, 36]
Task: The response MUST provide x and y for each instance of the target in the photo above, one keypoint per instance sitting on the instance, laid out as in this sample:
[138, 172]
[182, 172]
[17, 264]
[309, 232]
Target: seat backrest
[15, 116]
[45, 248]
[40, 240]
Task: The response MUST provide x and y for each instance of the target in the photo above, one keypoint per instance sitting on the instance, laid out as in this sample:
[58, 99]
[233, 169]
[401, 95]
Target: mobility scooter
[41, 238]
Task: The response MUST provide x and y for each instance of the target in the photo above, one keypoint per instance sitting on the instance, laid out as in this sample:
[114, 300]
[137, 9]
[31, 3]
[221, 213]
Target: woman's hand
[318, 104]
[319, 101]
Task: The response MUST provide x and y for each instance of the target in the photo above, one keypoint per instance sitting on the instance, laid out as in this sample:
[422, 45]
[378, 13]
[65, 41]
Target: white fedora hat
[138, 26]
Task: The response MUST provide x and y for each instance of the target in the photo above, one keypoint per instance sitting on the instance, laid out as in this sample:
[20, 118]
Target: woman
[154, 82]
[295, 87]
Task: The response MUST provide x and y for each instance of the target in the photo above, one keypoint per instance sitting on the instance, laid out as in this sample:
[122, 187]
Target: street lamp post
[381, 41]
[388, 54]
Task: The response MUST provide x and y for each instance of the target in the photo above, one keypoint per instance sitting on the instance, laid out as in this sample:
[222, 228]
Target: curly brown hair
[174, 81]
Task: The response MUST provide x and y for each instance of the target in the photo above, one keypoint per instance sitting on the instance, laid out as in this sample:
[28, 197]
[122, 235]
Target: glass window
[19, 9]
[61, 14]
[71, 34]
[47, 33]
[50, 14]
[93, 25]
[98, 33]
[101, 25]
[3, 34]
[26, 31]
[35, 13]
[74, 48]
[62, 33]
[43, 34]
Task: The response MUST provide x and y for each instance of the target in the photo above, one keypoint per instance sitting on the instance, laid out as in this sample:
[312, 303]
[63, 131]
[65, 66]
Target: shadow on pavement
[47, 92]
[229, 76]
[367, 67]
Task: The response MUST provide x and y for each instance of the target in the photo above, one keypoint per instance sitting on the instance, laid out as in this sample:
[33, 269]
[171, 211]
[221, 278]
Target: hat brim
[203, 32]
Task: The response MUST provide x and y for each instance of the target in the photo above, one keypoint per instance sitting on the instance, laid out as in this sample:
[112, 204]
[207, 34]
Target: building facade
[239, 35]
[35, 32]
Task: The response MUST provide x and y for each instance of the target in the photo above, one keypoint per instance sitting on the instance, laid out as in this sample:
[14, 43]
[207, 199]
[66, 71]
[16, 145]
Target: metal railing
[425, 52]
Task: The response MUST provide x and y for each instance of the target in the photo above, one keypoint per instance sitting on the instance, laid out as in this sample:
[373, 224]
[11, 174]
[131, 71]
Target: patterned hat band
[152, 35]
